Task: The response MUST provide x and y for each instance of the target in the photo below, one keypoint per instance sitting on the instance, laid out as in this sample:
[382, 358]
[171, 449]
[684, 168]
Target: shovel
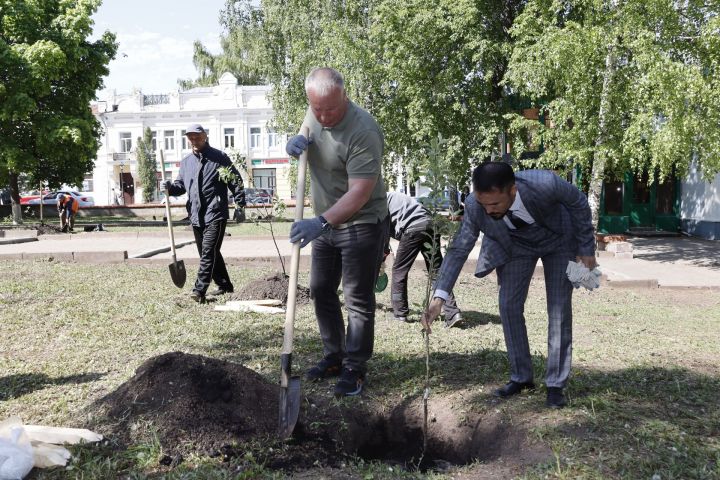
[290, 386]
[177, 269]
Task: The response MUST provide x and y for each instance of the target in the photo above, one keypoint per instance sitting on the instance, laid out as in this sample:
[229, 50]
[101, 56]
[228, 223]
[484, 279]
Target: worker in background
[412, 225]
[67, 208]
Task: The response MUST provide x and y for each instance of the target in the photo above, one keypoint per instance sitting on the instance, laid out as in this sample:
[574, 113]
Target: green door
[642, 204]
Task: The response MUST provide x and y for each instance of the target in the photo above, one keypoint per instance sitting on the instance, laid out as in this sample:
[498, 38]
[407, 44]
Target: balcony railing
[155, 99]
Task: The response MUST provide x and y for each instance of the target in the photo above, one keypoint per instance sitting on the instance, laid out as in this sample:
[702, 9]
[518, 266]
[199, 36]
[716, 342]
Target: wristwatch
[324, 224]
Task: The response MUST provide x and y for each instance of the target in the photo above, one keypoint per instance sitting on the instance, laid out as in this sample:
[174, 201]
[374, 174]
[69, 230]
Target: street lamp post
[122, 187]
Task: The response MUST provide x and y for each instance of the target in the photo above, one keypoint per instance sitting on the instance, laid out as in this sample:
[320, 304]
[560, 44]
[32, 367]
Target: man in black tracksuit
[207, 207]
[412, 225]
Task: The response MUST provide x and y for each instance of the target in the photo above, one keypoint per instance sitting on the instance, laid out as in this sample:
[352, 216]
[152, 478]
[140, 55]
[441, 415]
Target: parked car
[25, 197]
[51, 198]
[257, 196]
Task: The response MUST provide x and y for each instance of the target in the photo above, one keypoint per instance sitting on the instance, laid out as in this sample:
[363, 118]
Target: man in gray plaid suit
[527, 216]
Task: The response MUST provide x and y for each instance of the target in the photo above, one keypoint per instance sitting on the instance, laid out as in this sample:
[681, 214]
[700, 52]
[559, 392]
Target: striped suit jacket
[553, 203]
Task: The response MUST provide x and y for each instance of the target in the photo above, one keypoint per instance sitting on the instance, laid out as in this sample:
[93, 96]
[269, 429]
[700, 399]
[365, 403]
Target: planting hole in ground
[195, 404]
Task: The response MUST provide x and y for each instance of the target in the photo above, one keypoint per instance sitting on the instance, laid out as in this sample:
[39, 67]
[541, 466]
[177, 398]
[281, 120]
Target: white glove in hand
[581, 276]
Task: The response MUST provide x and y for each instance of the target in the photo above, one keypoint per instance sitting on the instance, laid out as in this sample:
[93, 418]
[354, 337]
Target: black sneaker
[327, 367]
[198, 297]
[220, 291]
[350, 384]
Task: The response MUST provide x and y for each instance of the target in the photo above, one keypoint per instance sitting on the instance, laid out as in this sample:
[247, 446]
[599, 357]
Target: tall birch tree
[629, 85]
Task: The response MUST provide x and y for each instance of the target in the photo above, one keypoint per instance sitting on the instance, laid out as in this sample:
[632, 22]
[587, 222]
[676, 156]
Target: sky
[156, 41]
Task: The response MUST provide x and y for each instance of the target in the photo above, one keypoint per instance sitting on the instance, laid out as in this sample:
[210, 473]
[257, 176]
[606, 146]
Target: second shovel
[177, 269]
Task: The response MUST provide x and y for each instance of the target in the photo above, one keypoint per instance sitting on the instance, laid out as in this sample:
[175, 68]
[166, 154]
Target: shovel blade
[289, 407]
[177, 273]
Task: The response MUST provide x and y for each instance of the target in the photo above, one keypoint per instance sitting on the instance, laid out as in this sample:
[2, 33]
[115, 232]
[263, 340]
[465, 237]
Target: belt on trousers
[343, 226]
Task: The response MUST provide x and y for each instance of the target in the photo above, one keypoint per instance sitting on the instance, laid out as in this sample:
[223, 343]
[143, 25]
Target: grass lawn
[644, 394]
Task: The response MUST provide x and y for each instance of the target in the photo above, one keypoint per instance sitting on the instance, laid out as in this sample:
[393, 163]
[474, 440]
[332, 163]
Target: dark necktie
[517, 221]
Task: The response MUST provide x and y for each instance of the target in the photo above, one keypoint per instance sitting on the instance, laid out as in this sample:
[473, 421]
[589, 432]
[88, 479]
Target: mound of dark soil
[273, 287]
[194, 403]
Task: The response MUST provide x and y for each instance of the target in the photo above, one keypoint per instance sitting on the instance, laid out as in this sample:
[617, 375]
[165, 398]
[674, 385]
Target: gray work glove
[305, 231]
[581, 276]
[296, 145]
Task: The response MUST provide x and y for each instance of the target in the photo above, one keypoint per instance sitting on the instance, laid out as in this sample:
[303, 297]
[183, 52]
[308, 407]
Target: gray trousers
[352, 255]
[513, 282]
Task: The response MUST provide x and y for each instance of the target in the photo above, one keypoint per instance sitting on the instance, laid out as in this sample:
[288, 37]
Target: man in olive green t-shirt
[345, 151]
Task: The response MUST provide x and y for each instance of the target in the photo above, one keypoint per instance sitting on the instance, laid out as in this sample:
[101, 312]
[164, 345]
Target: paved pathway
[657, 262]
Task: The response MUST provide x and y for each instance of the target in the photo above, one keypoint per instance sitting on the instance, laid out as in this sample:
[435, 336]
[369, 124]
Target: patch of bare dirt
[195, 404]
[272, 287]
[42, 228]
[45, 229]
[454, 438]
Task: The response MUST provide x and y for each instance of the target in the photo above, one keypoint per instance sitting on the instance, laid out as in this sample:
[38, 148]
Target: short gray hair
[324, 79]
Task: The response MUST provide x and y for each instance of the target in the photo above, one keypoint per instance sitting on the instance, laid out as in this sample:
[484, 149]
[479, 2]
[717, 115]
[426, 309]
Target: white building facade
[236, 117]
[700, 205]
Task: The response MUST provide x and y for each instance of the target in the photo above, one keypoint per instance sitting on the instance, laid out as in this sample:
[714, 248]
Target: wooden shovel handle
[295, 258]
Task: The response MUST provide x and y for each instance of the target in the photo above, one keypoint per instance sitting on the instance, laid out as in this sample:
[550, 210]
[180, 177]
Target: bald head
[323, 80]
[325, 91]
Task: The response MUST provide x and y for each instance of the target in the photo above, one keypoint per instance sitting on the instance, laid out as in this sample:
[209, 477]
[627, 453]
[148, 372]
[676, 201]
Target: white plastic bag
[25, 446]
[16, 452]
[47, 455]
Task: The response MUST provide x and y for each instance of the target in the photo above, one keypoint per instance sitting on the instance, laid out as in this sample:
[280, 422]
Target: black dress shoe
[220, 291]
[513, 388]
[555, 398]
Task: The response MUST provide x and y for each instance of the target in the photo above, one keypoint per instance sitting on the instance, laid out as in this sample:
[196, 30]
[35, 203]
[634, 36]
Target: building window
[169, 139]
[255, 137]
[229, 134]
[125, 141]
[264, 178]
[87, 184]
[183, 142]
[273, 138]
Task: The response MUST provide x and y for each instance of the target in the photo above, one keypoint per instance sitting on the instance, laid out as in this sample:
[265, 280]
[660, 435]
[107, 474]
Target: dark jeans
[412, 243]
[208, 240]
[354, 255]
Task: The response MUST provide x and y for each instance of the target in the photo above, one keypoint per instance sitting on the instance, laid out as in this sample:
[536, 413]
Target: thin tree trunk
[15, 198]
[597, 174]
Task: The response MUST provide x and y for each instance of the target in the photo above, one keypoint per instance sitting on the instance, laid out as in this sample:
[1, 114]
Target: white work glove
[581, 276]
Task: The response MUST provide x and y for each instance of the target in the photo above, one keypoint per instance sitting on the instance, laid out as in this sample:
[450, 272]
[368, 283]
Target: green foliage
[147, 166]
[441, 66]
[418, 67]
[49, 73]
[632, 83]
[227, 175]
[437, 160]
